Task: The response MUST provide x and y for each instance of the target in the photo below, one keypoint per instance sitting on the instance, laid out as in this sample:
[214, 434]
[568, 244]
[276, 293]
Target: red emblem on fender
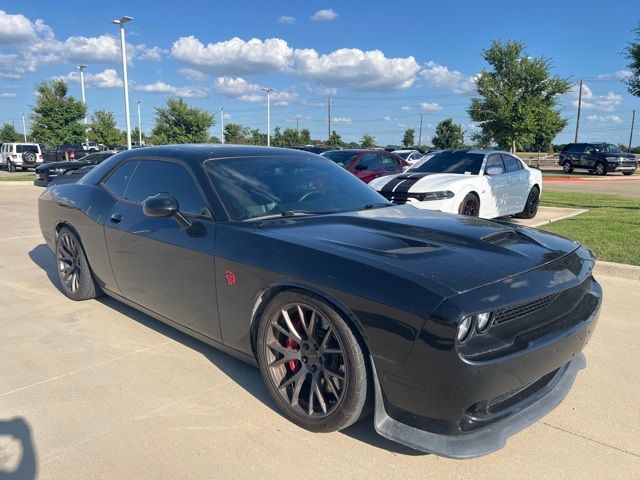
[230, 276]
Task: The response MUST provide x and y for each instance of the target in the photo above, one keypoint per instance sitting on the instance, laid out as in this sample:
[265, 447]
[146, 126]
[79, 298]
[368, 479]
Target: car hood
[419, 181]
[448, 253]
[53, 165]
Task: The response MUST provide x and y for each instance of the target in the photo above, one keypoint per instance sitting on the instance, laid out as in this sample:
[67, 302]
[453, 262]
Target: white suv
[22, 155]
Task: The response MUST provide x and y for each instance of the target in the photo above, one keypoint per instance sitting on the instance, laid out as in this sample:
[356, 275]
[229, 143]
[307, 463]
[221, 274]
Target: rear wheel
[567, 167]
[531, 207]
[628, 173]
[601, 169]
[73, 269]
[470, 206]
[311, 363]
[10, 166]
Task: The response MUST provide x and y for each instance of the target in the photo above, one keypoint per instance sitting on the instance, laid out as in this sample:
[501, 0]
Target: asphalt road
[97, 390]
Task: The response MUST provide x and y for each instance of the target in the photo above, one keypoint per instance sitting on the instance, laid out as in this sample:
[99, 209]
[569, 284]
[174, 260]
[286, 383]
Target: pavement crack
[591, 439]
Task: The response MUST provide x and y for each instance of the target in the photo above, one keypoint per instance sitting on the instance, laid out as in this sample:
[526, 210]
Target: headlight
[482, 321]
[464, 328]
[435, 195]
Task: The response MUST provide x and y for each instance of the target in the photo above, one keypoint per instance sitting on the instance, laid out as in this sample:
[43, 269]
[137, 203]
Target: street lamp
[222, 125]
[269, 92]
[139, 124]
[24, 129]
[122, 21]
[84, 100]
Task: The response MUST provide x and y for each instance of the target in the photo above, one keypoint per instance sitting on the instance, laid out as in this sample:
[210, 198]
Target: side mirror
[494, 171]
[163, 205]
[361, 167]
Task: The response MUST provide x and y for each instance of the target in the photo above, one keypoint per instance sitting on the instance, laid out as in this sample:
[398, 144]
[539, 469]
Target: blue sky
[382, 62]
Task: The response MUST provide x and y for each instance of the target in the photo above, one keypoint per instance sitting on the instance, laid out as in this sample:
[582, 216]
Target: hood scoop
[501, 239]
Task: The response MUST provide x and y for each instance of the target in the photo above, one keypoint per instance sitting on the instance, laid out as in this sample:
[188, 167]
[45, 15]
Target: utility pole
[222, 125]
[24, 129]
[633, 121]
[269, 92]
[329, 116]
[579, 108]
[139, 124]
[420, 134]
[297, 123]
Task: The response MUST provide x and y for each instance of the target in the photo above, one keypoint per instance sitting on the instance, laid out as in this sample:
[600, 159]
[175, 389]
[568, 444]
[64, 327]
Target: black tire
[601, 169]
[334, 385]
[470, 205]
[628, 173]
[11, 166]
[531, 207]
[76, 278]
[567, 167]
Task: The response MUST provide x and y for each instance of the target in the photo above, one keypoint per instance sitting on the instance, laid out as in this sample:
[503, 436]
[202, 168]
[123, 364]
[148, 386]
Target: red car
[367, 164]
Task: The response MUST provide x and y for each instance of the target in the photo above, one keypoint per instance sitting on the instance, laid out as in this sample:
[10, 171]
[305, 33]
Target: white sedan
[485, 183]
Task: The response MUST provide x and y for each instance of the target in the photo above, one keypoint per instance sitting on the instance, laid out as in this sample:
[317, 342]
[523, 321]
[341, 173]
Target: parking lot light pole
[222, 125]
[24, 129]
[84, 101]
[139, 124]
[269, 92]
[122, 21]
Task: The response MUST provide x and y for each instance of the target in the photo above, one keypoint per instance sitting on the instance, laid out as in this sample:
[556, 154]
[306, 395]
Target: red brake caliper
[293, 345]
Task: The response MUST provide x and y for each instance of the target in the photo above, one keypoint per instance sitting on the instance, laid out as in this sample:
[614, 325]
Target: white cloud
[406, 108]
[153, 54]
[287, 19]
[619, 75]
[325, 14]
[430, 106]
[440, 76]
[15, 29]
[102, 49]
[234, 56]
[245, 91]
[341, 120]
[165, 88]
[388, 118]
[604, 119]
[106, 79]
[192, 74]
[590, 101]
[324, 91]
[8, 95]
[359, 70]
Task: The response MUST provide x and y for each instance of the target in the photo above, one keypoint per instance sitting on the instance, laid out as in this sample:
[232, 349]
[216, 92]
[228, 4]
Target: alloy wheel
[470, 207]
[600, 169]
[306, 361]
[534, 200]
[69, 262]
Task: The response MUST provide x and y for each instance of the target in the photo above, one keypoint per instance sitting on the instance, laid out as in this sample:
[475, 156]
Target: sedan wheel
[531, 207]
[601, 169]
[312, 363]
[73, 270]
[470, 206]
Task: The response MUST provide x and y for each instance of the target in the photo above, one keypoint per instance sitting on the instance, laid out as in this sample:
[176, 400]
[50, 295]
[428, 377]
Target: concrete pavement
[97, 390]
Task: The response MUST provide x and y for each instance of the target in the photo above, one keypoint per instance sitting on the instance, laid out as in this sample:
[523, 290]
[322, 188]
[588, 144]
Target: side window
[155, 176]
[370, 160]
[494, 162]
[512, 164]
[117, 182]
[389, 162]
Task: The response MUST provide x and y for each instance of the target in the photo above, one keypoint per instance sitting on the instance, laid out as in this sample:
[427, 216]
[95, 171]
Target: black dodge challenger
[457, 332]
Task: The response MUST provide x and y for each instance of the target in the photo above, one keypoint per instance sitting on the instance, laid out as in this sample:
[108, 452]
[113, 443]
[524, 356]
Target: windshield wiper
[291, 213]
[369, 206]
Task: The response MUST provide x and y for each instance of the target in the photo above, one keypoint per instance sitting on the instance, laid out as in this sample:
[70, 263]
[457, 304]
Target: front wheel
[531, 207]
[628, 173]
[312, 363]
[567, 167]
[469, 206]
[601, 169]
[11, 167]
[73, 269]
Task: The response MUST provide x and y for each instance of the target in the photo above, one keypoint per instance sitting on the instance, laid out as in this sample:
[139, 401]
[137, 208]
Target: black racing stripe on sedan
[392, 184]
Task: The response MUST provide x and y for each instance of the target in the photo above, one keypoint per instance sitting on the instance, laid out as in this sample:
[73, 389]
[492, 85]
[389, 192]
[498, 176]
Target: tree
[448, 135]
[335, 140]
[56, 119]
[233, 133]
[180, 123]
[632, 52]
[276, 139]
[135, 135]
[104, 130]
[290, 137]
[409, 137]
[368, 141]
[9, 134]
[517, 95]
[256, 137]
[305, 137]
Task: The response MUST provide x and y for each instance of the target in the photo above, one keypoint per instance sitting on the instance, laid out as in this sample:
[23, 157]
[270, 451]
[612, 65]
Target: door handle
[116, 218]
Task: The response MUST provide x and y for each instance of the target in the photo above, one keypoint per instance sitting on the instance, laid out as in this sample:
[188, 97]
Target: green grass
[611, 227]
[22, 177]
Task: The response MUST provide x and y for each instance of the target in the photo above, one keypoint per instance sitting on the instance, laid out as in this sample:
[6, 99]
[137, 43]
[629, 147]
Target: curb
[577, 212]
[18, 182]
[619, 270]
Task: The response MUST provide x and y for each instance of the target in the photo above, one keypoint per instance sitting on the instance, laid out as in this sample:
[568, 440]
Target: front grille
[402, 197]
[521, 309]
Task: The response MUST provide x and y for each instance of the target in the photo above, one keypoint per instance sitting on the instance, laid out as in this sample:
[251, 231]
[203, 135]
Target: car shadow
[245, 375]
[17, 430]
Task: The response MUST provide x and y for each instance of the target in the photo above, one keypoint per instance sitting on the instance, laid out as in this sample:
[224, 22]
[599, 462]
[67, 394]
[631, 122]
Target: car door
[577, 154]
[367, 167]
[498, 199]
[158, 265]
[517, 183]
[390, 164]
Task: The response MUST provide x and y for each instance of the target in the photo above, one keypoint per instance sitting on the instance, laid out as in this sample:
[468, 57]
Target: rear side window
[155, 176]
[119, 180]
[495, 162]
[389, 162]
[27, 148]
[370, 160]
[512, 164]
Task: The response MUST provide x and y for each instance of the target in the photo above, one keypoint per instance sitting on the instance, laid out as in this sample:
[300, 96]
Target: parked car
[345, 302]
[485, 183]
[20, 155]
[49, 171]
[599, 158]
[367, 164]
[64, 153]
[411, 156]
[313, 149]
[91, 147]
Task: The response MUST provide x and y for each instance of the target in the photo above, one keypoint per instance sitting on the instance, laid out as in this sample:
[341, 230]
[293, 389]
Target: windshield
[252, 187]
[342, 158]
[606, 147]
[457, 161]
[403, 154]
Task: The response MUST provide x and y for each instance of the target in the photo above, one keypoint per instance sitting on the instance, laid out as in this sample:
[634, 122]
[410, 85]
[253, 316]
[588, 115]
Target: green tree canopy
[180, 123]
[335, 140]
[135, 135]
[305, 137]
[56, 119]
[408, 140]
[632, 52]
[368, 141]
[517, 96]
[9, 134]
[103, 129]
[448, 135]
[234, 133]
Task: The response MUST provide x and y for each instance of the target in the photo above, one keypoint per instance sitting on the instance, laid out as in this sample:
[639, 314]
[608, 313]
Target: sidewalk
[547, 215]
